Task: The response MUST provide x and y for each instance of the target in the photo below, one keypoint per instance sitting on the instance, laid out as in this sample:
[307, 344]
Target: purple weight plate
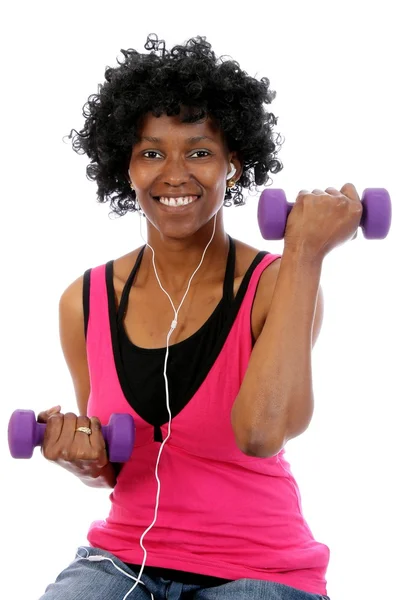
[120, 437]
[22, 433]
[377, 211]
[273, 211]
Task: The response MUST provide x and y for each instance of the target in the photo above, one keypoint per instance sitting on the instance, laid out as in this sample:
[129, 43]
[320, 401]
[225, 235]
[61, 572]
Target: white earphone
[232, 172]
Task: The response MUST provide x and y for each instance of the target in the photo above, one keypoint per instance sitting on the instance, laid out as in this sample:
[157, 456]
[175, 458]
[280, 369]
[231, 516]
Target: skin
[177, 166]
[287, 311]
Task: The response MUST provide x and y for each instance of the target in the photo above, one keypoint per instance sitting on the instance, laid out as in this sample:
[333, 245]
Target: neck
[177, 259]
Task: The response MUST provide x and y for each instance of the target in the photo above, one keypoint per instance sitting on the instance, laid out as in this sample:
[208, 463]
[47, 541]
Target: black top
[140, 370]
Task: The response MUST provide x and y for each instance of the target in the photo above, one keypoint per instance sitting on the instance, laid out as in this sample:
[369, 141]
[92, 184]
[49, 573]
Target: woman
[204, 340]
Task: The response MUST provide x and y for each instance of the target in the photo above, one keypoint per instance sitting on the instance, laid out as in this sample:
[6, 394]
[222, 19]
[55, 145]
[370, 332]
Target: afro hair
[161, 82]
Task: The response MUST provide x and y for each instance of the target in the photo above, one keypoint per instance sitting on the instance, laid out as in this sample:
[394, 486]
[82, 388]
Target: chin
[178, 231]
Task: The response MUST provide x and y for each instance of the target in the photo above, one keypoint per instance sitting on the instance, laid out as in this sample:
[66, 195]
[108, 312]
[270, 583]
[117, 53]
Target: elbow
[262, 450]
[259, 446]
[264, 442]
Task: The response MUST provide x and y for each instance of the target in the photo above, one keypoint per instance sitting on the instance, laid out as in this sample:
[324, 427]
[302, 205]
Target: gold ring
[86, 430]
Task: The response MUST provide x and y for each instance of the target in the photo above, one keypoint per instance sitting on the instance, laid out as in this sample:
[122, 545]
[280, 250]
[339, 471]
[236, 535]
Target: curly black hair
[161, 82]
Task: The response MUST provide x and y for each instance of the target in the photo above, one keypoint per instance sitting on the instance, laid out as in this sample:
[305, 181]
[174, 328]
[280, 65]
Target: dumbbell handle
[40, 431]
[290, 206]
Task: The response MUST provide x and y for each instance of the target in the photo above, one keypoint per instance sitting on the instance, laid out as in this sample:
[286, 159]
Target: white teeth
[182, 201]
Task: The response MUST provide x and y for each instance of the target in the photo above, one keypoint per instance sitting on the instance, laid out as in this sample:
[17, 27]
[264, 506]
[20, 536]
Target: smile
[177, 202]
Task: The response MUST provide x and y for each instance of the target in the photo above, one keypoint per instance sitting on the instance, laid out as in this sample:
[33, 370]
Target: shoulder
[245, 254]
[122, 266]
[72, 339]
[264, 296]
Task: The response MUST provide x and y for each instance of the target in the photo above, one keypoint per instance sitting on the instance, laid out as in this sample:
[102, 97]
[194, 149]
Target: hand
[320, 221]
[74, 450]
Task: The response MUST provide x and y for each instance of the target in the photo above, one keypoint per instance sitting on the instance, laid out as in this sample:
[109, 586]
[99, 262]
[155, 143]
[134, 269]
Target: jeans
[96, 574]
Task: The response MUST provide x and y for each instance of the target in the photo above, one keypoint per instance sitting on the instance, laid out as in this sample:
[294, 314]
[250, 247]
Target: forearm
[105, 477]
[275, 401]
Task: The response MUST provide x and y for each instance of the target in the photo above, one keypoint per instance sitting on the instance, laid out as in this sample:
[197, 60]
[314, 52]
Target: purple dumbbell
[273, 211]
[24, 433]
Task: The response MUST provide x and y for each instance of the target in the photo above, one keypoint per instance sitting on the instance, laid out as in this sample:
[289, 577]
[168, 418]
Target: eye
[149, 152]
[202, 152]
[196, 152]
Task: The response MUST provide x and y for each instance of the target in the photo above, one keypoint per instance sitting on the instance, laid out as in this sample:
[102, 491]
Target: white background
[333, 69]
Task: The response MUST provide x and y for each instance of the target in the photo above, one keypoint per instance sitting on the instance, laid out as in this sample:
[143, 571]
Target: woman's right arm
[73, 343]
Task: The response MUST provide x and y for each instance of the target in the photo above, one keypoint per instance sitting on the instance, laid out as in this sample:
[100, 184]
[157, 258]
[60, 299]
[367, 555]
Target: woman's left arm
[275, 402]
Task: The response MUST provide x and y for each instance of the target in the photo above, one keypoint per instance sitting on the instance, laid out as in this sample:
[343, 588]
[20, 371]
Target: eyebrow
[191, 140]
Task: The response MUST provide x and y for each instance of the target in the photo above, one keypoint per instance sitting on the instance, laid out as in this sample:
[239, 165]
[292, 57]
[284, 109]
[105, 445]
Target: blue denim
[92, 579]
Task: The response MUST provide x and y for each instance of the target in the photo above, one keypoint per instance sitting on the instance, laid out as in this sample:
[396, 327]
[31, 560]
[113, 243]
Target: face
[180, 160]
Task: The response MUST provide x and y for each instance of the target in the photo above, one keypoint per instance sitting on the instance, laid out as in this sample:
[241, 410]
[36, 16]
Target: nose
[175, 172]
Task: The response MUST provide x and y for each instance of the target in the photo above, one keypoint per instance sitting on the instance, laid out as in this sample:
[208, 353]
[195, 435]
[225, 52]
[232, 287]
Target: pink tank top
[221, 513]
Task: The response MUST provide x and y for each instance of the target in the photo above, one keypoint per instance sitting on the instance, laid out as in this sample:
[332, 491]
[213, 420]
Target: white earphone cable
[172, 329]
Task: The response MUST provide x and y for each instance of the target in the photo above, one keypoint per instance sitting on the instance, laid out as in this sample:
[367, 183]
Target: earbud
[232, 172]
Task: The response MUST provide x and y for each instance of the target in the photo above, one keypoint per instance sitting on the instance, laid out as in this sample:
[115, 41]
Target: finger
[53, 429]
[333, 191]
[350, 191]
[300, 197]
[97, 440]
[318, 192]
[68, 429]
[82, 421]
[44, 415]
[82, 441]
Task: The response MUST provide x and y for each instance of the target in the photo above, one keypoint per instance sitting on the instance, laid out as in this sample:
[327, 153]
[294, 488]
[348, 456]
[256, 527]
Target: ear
[236, 160]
